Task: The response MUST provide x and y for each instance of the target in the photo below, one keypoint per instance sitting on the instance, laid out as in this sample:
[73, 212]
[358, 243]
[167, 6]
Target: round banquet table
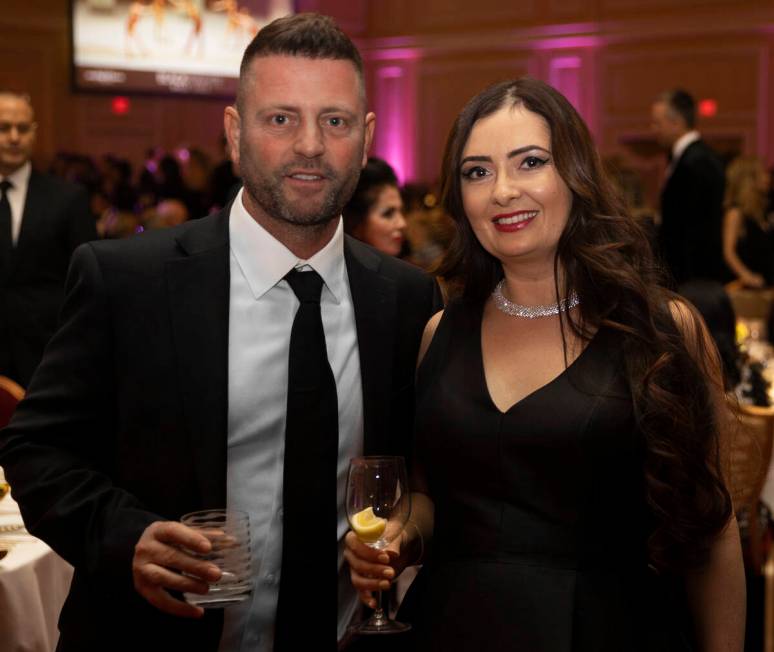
[34, 582]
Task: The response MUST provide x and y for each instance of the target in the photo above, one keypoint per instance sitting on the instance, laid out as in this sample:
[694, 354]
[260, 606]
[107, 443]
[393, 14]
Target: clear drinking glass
[229, 533]
[5, 488]
[378, 507]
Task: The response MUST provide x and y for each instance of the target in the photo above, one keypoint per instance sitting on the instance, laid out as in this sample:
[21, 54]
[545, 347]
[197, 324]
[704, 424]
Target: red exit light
[120, 105]
[708, 108]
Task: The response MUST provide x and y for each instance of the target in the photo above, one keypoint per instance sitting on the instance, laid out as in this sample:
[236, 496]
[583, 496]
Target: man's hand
[159, 562]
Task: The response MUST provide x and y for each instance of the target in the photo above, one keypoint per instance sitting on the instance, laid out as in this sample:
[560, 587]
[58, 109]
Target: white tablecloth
[34, 582]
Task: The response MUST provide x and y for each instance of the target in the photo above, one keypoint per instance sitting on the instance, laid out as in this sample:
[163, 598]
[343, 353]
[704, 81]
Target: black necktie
[308, 603]
[6, 241]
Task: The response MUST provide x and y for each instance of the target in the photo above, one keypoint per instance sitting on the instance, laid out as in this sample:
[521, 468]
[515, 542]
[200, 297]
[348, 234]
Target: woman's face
[515, 200]
[385, 225]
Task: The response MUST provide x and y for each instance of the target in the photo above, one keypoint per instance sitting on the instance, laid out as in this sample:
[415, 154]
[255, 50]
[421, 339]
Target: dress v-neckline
[534, 392]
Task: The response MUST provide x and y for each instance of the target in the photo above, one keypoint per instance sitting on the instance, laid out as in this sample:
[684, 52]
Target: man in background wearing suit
[690, 236]
[168, 387]
[42, 221]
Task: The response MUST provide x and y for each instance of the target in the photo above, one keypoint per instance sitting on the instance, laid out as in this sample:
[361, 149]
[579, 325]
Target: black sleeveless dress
[540, 522]
[756, 249]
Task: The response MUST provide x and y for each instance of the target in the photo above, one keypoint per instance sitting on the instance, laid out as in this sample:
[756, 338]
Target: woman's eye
[532, 162]
[475, 172]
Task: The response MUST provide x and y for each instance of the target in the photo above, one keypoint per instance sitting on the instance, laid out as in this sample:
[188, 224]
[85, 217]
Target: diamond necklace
[532, 312]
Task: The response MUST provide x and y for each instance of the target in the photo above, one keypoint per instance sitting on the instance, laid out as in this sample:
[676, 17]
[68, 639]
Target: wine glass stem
[379, 616]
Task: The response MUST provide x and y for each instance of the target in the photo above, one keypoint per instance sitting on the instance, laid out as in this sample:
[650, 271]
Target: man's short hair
[308, 35]
[682, 103]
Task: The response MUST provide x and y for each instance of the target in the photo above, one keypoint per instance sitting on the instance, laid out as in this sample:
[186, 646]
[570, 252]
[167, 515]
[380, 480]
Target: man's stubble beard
[265, 188]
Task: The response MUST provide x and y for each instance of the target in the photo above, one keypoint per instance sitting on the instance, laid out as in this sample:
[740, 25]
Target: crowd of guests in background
[172, 187]
[169, 189]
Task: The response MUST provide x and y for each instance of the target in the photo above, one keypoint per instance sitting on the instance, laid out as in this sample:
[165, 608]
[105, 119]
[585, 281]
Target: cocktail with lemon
[378, 507]
[369, 527]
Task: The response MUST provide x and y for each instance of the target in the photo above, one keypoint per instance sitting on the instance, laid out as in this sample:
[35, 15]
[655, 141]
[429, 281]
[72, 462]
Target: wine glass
[5, 488]
[378, 507]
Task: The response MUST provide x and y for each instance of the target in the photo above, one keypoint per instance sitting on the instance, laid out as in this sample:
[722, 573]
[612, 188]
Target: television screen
[187, 47]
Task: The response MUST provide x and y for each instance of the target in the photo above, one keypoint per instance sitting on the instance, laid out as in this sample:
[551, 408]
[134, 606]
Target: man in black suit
[692, 197]
[164, 390]
[42, 221]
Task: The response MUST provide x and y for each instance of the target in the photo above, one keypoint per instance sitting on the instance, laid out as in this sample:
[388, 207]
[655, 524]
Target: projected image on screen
[176, 46]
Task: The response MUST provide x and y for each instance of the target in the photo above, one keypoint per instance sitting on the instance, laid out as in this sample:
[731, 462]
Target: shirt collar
[265, 261]
[20, 177]
[681, 144]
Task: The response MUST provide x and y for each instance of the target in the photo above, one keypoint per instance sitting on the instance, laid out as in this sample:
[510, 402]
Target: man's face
[17, 133]
[664, 124]
[299, 138]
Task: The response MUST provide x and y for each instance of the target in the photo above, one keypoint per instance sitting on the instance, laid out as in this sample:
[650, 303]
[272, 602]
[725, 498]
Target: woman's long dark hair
[605, 256]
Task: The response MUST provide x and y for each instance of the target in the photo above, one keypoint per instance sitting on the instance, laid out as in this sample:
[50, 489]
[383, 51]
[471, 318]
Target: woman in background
[748, 242]
[375, 212]
[568, 469]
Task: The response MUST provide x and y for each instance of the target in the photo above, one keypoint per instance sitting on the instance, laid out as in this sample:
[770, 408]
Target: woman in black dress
[568, 468]
[748, 241]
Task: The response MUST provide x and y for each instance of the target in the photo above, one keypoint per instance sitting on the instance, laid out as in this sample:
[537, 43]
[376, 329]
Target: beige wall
[425, 59]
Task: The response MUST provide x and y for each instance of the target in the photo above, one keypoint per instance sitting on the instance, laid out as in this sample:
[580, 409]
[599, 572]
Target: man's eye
[279, 119]
[336, 122]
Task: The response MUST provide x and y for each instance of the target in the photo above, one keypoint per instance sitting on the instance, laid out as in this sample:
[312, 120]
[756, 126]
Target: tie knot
[5, 186]
[306, 285]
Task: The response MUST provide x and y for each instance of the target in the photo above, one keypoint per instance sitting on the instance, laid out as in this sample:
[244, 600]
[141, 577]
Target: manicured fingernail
[384, 559]
[213, 572]
[384, 584]
[388, 573]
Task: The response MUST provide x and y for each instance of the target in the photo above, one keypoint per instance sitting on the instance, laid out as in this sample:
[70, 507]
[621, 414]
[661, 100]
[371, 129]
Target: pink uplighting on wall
[566, 42]
[395, 120]
[564, 75]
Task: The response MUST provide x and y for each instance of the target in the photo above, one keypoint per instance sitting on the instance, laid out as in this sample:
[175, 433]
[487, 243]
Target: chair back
[750, 457]
[750, 303]
[10, 394]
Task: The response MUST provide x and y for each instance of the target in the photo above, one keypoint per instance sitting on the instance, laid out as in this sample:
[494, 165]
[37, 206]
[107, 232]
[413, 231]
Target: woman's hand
[372, 570]
[753, 280]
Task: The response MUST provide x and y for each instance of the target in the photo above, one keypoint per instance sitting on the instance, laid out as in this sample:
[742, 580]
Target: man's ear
[232, 125]
[370, 124]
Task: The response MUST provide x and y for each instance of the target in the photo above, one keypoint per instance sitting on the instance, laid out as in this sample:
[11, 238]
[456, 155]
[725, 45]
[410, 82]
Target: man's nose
[310, 141]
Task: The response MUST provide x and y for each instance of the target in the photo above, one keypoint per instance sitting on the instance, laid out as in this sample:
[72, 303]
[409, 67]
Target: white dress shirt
[681, 144]
[17, 196]
[261, 311]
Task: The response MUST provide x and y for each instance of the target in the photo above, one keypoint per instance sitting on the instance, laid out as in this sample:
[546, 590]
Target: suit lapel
[198, 286]
[374, 300]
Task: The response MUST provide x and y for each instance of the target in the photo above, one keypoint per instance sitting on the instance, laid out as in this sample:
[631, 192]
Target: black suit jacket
[692, 216]
[55, 221]
[125, 421]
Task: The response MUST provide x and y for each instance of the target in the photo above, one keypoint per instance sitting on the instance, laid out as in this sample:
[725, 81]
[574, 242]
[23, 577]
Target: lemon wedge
[368, 526]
